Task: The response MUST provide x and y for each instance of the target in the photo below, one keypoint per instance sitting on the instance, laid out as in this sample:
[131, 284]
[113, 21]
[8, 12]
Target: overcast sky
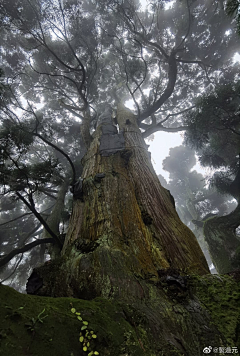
[160, 146]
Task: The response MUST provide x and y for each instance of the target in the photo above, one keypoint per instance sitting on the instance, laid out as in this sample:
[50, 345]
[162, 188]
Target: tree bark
[124, 229]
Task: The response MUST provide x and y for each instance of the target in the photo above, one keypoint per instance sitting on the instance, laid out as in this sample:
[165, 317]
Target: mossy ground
[58, 334]
[220, 294]
[122, 330]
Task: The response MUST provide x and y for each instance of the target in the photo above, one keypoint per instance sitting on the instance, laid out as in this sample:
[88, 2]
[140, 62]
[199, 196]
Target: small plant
[31, 325]
[85, 336]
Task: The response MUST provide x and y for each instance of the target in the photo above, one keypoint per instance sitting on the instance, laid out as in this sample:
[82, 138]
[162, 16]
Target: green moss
[159, 325]
[59, 332]
[221, 297]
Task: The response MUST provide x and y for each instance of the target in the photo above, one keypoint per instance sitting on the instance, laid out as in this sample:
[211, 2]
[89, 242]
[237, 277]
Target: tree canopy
[214, 130]
[75, 56]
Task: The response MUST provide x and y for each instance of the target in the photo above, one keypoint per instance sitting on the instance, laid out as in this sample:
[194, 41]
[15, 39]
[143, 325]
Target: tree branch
[61, 151]
[31, 207]
[172, 76]
[158, 127]
[177, 113]
[70, 108]
[68, 78]
[189, 26]
[18, 217]
[4, 260]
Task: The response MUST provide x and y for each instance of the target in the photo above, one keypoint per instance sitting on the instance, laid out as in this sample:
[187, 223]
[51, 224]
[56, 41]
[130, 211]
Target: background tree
[195, 202]
[32, 173]
[213, 129]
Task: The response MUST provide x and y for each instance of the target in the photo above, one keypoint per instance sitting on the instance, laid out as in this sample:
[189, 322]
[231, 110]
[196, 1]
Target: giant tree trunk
[124, 230]
[127, 245]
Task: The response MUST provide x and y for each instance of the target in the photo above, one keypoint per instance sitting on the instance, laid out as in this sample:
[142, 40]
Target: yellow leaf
[73, 310]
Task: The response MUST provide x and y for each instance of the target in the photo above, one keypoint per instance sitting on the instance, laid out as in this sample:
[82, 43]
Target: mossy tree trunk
[125, 258]
[224, 245]
[124, 228]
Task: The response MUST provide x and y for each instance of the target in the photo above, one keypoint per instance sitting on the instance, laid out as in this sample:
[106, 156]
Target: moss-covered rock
[178, 319]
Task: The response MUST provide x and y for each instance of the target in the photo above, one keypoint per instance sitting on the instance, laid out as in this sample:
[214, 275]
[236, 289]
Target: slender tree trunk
[124, 229]
[55, 217]
[198, 231]
[224, 246]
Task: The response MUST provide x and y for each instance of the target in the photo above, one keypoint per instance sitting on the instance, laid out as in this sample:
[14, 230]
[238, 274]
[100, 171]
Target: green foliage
[221, 182]
[24, 175]
[45, 172]
[15, 143]
[215, 111]
[214, 131]
[85, 335]
[33, 322]
[11, 137]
